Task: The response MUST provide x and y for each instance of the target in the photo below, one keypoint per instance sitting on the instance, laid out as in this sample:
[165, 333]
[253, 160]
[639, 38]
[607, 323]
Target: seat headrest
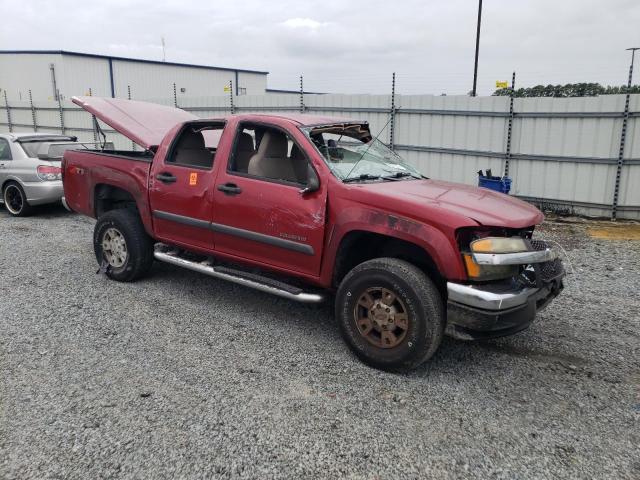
[191, 140]
[245, 142]
[273, 144]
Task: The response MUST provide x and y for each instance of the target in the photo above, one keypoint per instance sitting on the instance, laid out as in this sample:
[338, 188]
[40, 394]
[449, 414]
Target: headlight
[493, 245]
[49, 173]
[499, 245]
[488, 272]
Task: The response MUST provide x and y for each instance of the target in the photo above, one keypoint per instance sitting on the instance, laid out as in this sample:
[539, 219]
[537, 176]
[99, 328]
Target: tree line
[568, 90]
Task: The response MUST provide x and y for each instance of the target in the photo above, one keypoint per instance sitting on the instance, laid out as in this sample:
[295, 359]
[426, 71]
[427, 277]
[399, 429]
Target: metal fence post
[509, 126]
[301, 95]
[392, 120]
[33, 112]
[133, 144]
[6, 104]
[175, 96]
[623, 135]
[231, 105]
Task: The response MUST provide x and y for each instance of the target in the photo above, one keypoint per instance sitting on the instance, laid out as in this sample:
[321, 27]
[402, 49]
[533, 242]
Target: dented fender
[441, 248]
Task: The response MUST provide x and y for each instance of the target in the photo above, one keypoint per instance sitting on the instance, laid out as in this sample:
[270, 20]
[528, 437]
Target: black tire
[15, 200]
[138, 246]
[414, 293]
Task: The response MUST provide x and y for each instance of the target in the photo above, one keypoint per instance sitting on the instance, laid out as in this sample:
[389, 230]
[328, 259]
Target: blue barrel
[498, 184]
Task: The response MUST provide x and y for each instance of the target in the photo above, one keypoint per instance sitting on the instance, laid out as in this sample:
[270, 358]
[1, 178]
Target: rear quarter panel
[84, 171]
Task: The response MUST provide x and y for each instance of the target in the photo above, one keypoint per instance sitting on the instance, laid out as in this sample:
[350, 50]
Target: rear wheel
[15, 200]
[121, 244]
[390, 313]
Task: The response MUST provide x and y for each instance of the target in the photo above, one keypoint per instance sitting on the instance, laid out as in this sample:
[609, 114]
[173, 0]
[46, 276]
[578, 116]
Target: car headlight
[499, 245]
[493, 245]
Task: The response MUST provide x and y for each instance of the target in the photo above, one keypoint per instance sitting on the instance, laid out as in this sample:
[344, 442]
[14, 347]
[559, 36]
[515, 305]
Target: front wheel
[15, 200]
[390, 313]
[122, 247]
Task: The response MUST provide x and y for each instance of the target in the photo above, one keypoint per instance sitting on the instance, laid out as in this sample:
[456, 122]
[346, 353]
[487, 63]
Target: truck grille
[547, 270]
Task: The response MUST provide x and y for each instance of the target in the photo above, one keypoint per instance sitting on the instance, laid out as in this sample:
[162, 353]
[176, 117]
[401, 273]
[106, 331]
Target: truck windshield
[353, 155]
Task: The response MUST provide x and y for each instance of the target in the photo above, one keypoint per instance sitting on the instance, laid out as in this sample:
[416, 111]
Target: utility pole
[164, 57]
[475, 66]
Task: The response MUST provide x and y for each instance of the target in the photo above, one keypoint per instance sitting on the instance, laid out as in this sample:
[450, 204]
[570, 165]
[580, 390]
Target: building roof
[128, 59]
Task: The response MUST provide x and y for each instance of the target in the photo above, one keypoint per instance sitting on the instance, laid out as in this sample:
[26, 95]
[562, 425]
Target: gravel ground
[185, 376]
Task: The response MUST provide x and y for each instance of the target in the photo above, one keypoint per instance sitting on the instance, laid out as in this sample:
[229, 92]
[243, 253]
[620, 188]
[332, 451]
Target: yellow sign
[500, 84]
[227, 89]
[193, 178]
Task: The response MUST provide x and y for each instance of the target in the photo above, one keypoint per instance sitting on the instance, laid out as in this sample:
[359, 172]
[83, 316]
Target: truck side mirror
[313, 182]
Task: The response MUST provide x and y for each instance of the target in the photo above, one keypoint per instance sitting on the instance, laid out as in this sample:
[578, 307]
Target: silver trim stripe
[237, 232]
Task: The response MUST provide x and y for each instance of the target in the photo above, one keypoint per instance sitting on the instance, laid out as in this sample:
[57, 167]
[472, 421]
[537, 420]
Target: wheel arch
[358, 246]
[107, 197]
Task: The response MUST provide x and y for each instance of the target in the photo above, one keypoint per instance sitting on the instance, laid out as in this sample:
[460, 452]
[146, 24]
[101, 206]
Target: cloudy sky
[347, 46]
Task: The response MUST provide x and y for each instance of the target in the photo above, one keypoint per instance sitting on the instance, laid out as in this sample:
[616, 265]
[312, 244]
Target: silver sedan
[30, 172]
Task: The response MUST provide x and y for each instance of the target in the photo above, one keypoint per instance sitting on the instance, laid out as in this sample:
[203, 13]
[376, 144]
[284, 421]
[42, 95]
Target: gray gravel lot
[185, 376]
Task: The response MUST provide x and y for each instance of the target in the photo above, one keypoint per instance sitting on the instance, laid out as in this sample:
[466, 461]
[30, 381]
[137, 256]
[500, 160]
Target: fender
[440, 248]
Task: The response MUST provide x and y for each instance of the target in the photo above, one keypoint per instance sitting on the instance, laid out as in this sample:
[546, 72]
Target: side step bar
[251, 280]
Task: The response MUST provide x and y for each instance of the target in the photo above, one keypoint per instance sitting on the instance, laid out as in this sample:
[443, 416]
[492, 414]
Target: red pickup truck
[309, 207]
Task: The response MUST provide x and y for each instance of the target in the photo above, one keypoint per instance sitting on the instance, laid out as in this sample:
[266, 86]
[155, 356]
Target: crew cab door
[260, 212]
[181, 185]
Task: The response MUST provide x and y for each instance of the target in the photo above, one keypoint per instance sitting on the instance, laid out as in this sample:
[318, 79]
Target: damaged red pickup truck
[309, 207]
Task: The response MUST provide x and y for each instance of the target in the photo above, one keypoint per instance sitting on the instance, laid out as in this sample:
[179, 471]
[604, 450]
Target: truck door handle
[166, 177]
[229, 188]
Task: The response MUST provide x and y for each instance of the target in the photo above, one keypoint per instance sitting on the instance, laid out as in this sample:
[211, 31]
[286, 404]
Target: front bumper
[39, 193]
[477, 312]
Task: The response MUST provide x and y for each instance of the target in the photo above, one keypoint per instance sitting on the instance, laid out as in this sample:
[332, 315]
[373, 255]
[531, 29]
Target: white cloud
[304, 23]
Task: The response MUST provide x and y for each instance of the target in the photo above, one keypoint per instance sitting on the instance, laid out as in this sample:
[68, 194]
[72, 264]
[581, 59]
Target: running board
[247, 279]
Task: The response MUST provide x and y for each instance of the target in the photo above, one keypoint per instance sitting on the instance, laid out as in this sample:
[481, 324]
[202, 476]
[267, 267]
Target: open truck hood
[141, 122]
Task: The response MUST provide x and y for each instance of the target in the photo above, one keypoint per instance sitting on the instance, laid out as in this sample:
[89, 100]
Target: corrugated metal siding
[19, 73]
[451, 138]
[152, 81]
[79, 74]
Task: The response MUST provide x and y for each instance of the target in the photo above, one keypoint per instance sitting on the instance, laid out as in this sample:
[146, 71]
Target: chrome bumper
[494, 310]
[478, 296]
[65, 204]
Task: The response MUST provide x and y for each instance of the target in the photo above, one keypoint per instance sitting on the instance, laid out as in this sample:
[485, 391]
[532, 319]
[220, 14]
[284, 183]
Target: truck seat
[244, 151]
[190, 150]
[271, 159]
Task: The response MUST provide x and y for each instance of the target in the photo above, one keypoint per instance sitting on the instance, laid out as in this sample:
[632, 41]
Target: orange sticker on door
[193, 178]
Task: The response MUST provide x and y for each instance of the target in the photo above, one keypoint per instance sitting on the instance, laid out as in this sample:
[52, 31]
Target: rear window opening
[196, 145]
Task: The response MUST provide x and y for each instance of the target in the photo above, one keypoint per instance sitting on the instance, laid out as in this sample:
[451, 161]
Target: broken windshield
[352, 155]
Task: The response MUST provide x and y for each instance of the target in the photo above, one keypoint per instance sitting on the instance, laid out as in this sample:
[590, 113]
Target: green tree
[568, 90]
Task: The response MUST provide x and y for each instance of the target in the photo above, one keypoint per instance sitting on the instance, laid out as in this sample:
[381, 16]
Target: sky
[347, 46]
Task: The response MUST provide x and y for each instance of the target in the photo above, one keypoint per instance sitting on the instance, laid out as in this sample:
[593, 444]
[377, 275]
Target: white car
[30, 171]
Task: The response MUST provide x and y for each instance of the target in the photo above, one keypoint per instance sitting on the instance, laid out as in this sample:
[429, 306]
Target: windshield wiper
[401, 175]
[364, 176]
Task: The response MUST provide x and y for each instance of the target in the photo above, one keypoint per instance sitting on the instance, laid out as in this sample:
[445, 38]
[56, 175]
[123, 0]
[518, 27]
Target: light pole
[475, 66]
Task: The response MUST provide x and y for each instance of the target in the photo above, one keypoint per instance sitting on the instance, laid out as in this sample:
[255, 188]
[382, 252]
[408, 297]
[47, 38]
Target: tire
[129, 255]
[15, 200]
[393, 335]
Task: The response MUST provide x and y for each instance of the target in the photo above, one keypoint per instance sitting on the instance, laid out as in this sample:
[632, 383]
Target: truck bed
[86, 172]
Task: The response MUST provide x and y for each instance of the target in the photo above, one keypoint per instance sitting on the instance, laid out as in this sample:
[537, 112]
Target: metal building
[50, 74]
